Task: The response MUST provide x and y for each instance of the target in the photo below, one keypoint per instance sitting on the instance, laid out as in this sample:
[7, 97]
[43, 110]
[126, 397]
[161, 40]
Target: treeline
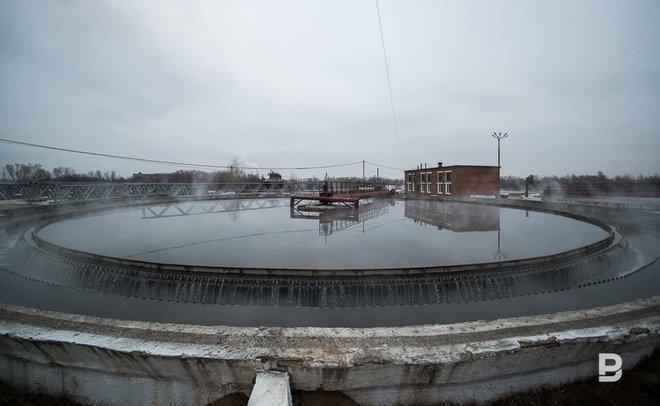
[586, 185]
[183, 176]
[31, 173]
[27, 173]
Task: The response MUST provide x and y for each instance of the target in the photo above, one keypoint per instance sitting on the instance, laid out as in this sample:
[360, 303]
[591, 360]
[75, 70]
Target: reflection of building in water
[452, 216]
[334, 220]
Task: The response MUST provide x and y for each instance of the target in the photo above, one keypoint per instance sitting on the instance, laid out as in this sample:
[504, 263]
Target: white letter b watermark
[604, 367]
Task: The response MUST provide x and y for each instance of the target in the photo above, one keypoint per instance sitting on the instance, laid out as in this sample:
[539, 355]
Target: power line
[389, 83]
[384, 166]
[158, 161]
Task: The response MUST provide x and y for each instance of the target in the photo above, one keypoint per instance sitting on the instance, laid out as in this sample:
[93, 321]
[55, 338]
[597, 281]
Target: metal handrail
[328, 188]
[65, 191]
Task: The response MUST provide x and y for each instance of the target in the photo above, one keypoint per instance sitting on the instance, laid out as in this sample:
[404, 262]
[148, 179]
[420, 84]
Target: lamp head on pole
[499, 136]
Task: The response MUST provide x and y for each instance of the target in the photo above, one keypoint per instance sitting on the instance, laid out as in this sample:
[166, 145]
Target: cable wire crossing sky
[299, 84]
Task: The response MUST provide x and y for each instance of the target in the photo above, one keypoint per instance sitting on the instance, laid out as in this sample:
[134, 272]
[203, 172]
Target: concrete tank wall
[94, 360]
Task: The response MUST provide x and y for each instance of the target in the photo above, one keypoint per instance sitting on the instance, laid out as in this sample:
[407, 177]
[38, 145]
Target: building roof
[450, 167]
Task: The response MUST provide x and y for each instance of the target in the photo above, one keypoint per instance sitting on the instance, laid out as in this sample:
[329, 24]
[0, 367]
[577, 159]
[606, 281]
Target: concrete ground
[639, 386]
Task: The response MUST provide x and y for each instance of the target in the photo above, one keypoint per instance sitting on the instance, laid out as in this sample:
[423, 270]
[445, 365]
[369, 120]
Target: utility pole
[363, 177]
[499, 136]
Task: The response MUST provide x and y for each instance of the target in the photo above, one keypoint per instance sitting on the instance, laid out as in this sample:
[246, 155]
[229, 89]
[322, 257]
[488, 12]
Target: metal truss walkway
[57, 192]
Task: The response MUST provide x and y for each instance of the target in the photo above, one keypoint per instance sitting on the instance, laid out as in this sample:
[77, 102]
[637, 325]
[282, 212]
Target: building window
[439, 182]
[411, 182]
[448, 182]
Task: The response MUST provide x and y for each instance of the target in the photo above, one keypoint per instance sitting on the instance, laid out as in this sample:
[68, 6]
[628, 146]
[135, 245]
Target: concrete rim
[334, 346]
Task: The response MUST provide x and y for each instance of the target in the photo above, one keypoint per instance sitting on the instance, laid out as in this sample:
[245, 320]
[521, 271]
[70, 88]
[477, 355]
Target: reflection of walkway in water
[335, 220]
[331, 221]
[209, 207]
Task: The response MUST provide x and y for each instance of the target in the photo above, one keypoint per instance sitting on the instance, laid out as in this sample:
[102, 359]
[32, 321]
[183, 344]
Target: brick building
[454, 180]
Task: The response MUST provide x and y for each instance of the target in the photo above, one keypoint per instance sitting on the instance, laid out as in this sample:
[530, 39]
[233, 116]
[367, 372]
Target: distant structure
[454, 180]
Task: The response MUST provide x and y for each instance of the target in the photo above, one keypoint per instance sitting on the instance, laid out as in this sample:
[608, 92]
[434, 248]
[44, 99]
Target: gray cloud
[296, 83]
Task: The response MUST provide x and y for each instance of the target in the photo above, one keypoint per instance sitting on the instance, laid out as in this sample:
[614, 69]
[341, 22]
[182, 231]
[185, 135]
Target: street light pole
[499, 136]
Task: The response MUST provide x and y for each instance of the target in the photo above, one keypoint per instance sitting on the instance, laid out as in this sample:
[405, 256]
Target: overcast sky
[576, 84]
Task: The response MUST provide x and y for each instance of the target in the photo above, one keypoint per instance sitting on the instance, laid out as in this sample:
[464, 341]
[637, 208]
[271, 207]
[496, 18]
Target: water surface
[382, 234]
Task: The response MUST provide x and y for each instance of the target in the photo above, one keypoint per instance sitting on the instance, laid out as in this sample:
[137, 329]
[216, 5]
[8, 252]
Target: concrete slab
[271, 389]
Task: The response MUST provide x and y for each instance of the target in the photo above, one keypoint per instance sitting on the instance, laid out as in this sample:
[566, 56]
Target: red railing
[330, 188]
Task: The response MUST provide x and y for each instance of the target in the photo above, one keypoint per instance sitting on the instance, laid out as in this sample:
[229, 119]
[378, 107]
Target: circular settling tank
[281, 265]
[382, 234]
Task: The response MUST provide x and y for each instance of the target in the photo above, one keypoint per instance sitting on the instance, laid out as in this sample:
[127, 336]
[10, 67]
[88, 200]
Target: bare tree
[10, 170]
[235, 170]
[40, 175]
[23, 172]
